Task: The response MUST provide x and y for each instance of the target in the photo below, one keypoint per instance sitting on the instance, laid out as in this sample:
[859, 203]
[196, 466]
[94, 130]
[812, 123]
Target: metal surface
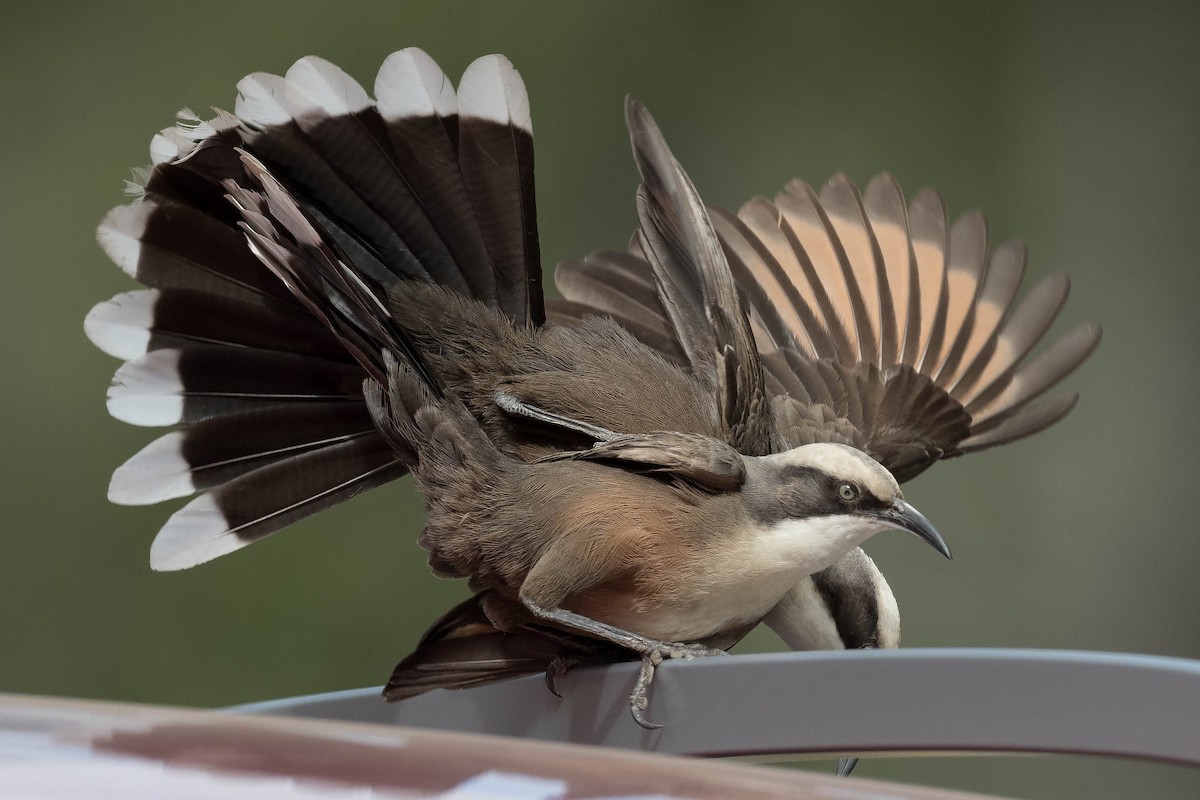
[835, 702]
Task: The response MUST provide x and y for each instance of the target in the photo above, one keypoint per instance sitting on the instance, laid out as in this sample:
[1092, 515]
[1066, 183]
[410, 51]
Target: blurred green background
[1076, 128]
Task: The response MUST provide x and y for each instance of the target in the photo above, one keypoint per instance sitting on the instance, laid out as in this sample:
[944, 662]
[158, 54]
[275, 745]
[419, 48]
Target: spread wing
[879, 323]
[694, 285]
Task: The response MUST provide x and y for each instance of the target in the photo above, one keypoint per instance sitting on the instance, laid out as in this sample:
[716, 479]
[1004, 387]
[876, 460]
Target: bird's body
[667, 544]
[669, 557]
[594, 371]
[331, 275]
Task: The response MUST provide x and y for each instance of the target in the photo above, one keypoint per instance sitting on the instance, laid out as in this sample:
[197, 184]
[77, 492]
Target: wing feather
[890, 328]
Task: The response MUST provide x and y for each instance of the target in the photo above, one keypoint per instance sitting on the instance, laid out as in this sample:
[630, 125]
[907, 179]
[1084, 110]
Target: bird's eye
[847, 492]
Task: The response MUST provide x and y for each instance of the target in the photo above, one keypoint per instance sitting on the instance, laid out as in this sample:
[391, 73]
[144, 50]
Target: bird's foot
[639, 700]
[560, 666]
[652, 651]
[652, 656]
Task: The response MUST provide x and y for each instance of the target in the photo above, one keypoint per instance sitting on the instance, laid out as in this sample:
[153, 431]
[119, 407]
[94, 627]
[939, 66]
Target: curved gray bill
[903, 516]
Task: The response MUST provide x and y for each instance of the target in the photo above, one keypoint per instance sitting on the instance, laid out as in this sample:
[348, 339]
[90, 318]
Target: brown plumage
[294, 248]
[666, 544]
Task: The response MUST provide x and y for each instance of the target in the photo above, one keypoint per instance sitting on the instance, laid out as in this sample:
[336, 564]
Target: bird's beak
[903, 516]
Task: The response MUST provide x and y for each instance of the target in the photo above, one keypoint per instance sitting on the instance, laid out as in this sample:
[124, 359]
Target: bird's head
[825, 499]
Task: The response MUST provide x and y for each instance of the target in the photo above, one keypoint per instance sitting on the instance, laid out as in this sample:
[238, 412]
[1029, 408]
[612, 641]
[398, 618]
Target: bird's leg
[846, 766]
[511, 404]
[627, 639]
[653, 651]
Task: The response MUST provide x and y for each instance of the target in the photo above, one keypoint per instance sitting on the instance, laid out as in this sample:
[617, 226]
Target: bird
[577, 543]
[670, 545]
[317, 254]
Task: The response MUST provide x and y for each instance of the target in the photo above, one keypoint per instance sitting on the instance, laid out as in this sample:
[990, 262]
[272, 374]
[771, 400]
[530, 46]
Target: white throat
[758, 569]
[809, 545]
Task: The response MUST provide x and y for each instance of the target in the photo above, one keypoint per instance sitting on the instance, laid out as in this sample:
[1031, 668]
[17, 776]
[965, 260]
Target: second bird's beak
[903, 516]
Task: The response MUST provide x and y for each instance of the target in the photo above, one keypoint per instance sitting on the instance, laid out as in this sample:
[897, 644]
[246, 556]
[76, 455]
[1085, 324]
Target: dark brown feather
[496, 161]
[468, 646]
[696, 287]
[868, 280]
[322, 177]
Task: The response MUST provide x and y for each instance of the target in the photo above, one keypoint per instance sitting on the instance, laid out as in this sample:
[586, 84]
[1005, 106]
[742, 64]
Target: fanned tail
[268, 239]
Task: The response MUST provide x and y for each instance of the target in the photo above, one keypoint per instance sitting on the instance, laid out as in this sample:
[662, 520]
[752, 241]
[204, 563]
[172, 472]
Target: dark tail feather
[421, 184]
[247, 508]
[264, 316]
[297, 253]
[495, 151]
[463, 649]
[212, 452]
[484, 639]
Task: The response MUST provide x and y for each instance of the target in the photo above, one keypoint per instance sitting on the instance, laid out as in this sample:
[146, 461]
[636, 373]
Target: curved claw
[558, 666]
[550, 676]
[639, 716]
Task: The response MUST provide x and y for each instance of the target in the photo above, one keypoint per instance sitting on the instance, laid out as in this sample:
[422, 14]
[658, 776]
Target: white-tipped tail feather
[325, 88]
[148, 391]
[120, 234]
[411, 84]
[121, 326]
[492, 89]
[193, 535]
[155, 473]
[260, 100]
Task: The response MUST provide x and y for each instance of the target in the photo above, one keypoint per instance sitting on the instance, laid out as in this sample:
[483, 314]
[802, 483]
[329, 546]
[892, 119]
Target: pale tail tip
[121, 326]
[492, 89]
[194, 534]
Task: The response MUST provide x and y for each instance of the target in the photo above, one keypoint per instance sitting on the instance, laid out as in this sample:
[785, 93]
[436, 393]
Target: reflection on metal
[832, 702]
